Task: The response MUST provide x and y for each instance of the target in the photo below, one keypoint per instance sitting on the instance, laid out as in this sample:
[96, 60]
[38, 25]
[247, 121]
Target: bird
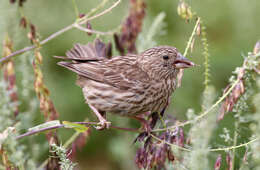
[128, 85]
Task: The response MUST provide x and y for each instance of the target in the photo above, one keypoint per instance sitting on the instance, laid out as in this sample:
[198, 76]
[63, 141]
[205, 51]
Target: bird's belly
[111, 99]
[108, 98]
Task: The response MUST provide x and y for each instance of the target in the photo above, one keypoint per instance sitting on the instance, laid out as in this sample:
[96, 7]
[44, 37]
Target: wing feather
[121, 72]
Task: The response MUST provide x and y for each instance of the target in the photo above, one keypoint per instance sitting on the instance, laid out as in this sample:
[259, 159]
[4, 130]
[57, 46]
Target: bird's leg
[154, 118]
[103, 123]
[144, 123]
[147, 125]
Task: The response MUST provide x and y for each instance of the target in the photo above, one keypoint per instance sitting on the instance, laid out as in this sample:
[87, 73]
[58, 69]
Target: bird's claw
[103, 124]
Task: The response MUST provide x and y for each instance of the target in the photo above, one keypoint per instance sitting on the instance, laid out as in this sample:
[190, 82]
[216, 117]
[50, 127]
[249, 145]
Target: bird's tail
[90, 52]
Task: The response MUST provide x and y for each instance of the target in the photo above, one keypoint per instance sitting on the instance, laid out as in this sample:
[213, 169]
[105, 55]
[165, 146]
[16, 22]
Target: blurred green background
[232, 30]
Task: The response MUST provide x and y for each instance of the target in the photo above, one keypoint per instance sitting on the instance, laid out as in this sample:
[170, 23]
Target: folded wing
[121, 72]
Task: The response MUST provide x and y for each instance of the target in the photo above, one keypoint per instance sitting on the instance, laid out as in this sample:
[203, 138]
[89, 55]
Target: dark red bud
[23, 22]
[88, 26]
[217, 163]
[81, 15]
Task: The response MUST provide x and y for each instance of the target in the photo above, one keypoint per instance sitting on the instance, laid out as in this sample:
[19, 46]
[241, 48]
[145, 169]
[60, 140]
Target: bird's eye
[165, 57]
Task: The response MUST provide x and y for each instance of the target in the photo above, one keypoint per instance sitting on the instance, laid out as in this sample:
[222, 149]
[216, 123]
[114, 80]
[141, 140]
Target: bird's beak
[182, 62]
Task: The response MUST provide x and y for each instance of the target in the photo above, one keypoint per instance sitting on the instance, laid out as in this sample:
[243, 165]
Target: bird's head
[163, 61]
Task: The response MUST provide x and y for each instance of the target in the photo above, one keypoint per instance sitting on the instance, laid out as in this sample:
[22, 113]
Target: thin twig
[75, 8]
[234, 143]
[36, 131]
[54, 35]
[99, 14]
[204, 113]
[113, 127]
[170, 144]
[29, 133]
[92, 31]
[235, 146]
[191, 37]
[211, 150]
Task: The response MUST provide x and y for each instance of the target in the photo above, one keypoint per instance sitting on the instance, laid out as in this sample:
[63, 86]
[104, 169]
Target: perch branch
[36, 131]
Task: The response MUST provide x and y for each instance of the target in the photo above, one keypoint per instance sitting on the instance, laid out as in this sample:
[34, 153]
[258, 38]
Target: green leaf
[78, 127]
[46, 125]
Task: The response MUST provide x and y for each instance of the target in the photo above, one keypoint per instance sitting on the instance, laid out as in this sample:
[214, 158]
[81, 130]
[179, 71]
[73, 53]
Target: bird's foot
[146, 127]
[103, 124]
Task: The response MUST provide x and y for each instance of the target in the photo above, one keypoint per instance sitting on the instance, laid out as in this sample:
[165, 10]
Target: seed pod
[23, 22]
[198, 30]
[88, 26]
[184, 10]
[32, 34]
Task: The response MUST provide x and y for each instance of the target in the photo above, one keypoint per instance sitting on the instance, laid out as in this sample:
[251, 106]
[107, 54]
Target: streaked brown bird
[126, 85]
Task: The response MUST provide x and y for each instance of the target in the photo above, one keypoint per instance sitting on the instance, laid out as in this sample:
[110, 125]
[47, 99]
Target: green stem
[191, 38]
[76, 8]
[234, 143]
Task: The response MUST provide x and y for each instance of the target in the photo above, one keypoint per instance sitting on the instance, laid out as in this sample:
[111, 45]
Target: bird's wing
[118, 72]
[121, 71]
[124, 73]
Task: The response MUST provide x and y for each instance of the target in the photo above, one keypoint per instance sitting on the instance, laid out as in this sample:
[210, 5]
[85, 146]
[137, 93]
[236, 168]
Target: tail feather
[82, 52]
[71, 66]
